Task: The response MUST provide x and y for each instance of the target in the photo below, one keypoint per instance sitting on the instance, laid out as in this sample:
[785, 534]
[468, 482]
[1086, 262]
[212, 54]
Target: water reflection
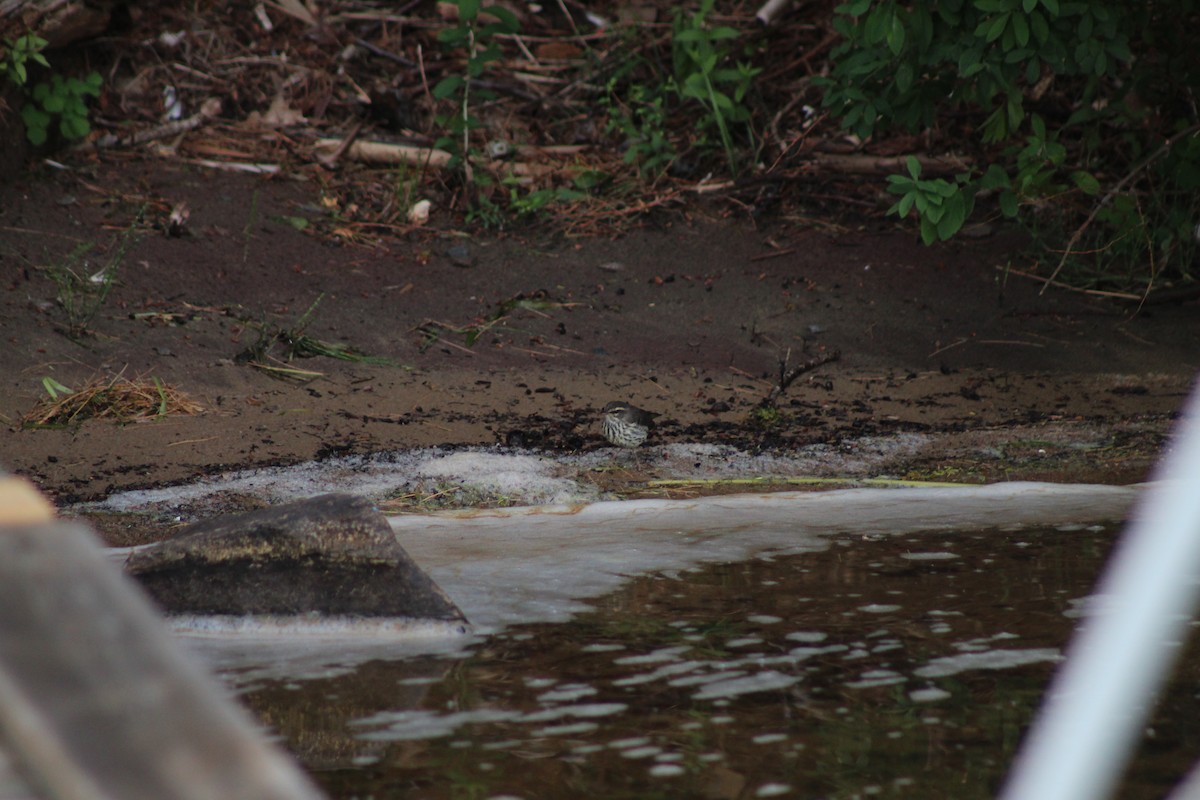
[903, 666]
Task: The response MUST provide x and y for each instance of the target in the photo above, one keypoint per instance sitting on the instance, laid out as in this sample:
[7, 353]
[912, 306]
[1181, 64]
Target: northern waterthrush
[625, 425]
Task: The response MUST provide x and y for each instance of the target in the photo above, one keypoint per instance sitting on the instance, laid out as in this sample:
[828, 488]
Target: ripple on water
[679, 689]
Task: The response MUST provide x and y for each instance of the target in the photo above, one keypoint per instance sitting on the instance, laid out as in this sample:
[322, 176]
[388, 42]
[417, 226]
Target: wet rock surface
[331, 555]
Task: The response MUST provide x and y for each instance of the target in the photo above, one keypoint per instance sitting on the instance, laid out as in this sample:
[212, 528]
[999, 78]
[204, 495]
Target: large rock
[329, 556]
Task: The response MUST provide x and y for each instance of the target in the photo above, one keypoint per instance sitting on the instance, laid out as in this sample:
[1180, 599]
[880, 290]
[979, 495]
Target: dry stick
[424, 78]
[1060, 285]
[388, 54]
[329, 160]
[570, 19]
[1150, 251]
[1163, 148]
[788, 376]
[208, 110]
[796, 142]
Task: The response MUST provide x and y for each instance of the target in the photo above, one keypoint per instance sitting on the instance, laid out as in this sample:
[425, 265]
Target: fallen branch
[861, 164]
[788, 376]
[383, 153]
[209, 109]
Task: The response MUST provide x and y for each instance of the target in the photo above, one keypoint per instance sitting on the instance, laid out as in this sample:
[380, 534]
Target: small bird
[626, 425]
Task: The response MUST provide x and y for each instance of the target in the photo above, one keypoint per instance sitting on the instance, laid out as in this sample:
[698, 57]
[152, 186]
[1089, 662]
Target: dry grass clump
[120, 399]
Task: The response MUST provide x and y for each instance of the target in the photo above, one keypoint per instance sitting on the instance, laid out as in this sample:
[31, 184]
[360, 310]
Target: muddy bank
[521, 342]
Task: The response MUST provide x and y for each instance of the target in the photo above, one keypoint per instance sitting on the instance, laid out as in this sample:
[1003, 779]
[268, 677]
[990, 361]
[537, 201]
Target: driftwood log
[59, 22]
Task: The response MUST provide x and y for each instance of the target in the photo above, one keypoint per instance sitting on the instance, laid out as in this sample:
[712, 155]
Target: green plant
[54, 388]
[697, 57]
[64, 99]
[25, 49]
[83, 290]
[642, 120]
[524, 203]
[703, 73]
[297, 343]
[478, 38]
[1057, 92]
[765, 417]
[941, 206]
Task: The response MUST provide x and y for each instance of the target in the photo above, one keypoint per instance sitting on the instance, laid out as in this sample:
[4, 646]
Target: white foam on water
[329, 627]
[508, 477]
[766, 681]
[524, 565]
[520, 565]
[989, 659]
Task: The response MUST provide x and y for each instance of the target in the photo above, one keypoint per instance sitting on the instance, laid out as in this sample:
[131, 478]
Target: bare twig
[788, 375]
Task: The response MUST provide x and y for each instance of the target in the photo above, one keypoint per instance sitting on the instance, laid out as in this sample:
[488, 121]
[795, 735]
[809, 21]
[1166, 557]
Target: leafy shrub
[64, 98]
[1065, 97]
[25, 49]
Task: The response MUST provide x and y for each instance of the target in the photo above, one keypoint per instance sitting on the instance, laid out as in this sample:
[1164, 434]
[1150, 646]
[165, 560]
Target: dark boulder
[329, 556]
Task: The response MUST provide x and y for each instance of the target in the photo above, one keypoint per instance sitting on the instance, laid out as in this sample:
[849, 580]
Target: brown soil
[688, 317]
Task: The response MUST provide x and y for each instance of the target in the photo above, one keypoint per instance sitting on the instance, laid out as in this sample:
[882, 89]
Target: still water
[891, 666]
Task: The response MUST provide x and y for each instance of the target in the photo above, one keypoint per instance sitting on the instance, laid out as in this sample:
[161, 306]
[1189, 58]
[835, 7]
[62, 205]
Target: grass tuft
[119, 399]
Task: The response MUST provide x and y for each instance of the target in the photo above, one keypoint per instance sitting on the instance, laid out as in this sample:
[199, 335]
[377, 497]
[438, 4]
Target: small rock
[460, 255]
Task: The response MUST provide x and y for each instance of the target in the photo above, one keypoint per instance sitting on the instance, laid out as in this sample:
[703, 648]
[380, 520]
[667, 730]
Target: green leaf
[928, 231]
[945, 188]
[1008, 203]
[508, 21]
[914, 167]
[877, 26]
[1020, 29]
[1041, 29]
[1119, 50]
[952, 220]
[54, 388]
[1051, 6]
[896, 36]
[996, 27]
[298, 223]
[1086, 182]
[1016, 113]
[74, 126]
[855, 8]
[454, 37]
[447, 86]
[905, 205]
[468, 10]
[994, 178]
